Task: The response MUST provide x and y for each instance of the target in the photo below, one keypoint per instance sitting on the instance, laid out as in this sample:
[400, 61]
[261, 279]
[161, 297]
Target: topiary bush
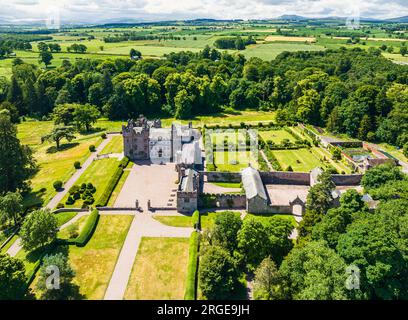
[77, 165]
[57, 185]
[92, 148]
[103, 135]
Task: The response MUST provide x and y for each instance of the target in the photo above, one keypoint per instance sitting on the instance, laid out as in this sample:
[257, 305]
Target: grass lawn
[234, 161]
[94, 263]
[225, 118]
[53, 164]
[228, 184]
[175, 221]
[397, 153]
[301, 160]
[265, 218]
[159, 270]
[276, 136]
[64, 217]
[114, 146]
[99, 174]
[208, 218]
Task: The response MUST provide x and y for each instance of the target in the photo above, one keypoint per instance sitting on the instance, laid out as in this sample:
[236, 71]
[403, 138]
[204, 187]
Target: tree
[267, 281]
[16, 161]
[253, 234]
[376, 243]
[63, 114]
[45, 57]
[135, 54]
[14, 114]
[58, 133]
[66, 290]
[39, 229]
[12, 277]
[183, 103]
[314, 272]
[86, 115]
[379, 175]
[226, 227]
[218, 273]
[403, 50]
[11, 206]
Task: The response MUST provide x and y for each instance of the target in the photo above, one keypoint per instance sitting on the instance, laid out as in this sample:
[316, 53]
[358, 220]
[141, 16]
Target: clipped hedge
[196, 220]
[192, 269]
[104, 199]
[87, 230]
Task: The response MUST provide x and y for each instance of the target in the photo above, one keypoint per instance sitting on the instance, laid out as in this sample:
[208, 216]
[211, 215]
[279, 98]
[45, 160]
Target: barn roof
[253, 184]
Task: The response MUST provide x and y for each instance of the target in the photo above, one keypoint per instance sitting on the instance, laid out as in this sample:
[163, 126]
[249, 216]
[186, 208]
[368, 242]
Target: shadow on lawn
[63, 147]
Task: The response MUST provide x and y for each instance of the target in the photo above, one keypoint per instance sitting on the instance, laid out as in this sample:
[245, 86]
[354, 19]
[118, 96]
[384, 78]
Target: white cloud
[100, 10]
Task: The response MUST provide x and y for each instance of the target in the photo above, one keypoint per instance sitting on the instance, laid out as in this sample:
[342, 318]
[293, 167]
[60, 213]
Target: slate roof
[253, 184]
[189, 181]
[160, 134]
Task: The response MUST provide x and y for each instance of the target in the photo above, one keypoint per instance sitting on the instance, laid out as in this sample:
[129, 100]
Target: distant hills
[301, 18]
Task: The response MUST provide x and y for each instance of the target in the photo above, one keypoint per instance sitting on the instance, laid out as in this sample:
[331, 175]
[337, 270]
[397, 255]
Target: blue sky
[149, 10]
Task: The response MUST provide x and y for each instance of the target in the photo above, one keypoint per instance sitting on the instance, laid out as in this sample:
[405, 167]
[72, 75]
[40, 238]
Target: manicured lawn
[114, 146]
[175, 221]
[265, 218]
[276, 136]
[227, 184]
[64, 217]
[234, 161]
[94, 263]
[99, 174]
[159, 270]
[301, 160]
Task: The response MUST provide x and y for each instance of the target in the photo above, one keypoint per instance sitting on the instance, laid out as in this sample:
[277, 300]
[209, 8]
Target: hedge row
[103, 200]
[86, 232]
[191, 286]
[197, 220]
[244, 125]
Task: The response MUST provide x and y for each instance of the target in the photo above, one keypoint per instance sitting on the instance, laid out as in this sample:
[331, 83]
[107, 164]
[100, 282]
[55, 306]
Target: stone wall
[227, 201]
[187, 202]
[347, 179]
[277, 177]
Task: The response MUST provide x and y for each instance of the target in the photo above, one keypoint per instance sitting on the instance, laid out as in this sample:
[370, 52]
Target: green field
[269, 51]
[301, 160]
[276, 136]
[159, 270]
